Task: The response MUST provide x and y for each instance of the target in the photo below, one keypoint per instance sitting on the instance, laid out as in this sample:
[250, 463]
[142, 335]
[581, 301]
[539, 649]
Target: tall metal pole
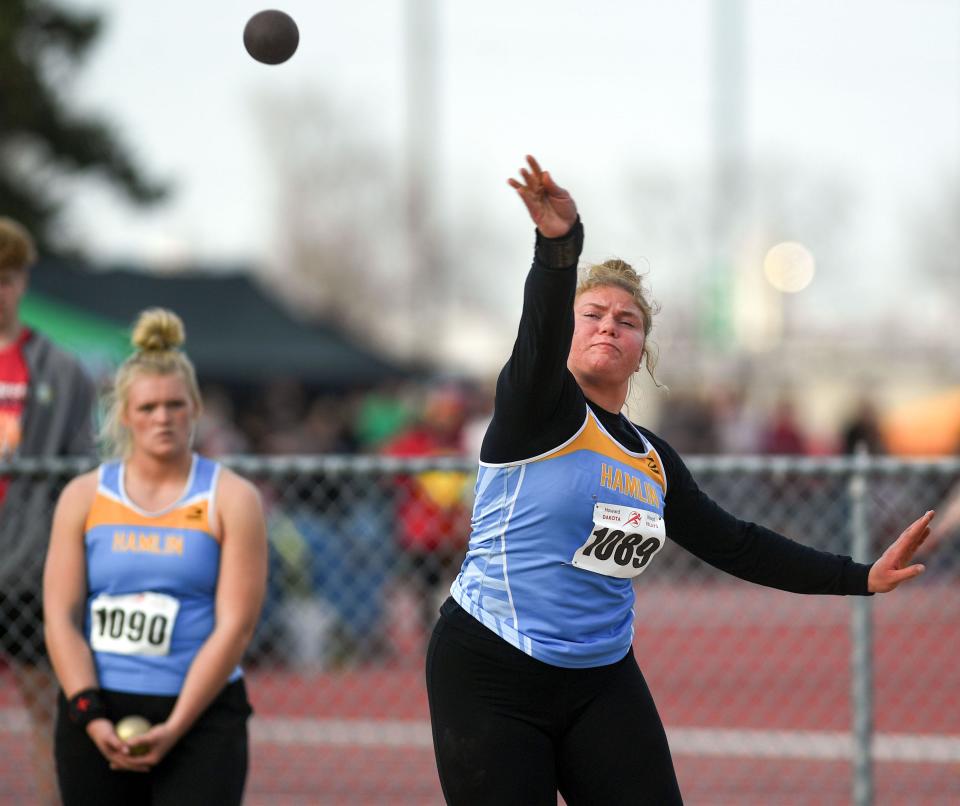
[861, 641]
[729, 150]
[421, 156]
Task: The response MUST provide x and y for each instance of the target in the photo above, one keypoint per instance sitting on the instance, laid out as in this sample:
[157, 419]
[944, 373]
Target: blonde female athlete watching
[532, 683]
[152, 588]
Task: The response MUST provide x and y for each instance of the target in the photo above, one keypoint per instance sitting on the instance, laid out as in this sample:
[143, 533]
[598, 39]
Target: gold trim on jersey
[106, 511]
[594, 438]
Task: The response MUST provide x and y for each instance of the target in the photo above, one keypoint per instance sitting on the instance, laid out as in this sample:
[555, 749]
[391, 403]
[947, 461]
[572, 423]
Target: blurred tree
[42, 140]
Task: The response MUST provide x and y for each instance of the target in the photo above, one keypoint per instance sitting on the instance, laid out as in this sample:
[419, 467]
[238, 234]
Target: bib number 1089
[625, 549]
[134, 624]
[623, 542]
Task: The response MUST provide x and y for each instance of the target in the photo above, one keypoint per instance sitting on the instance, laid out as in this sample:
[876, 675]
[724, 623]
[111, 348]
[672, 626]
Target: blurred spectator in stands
[328, 427]
[284, 405]
[688, 423]
[381, 415]
[783, 435]
[433, 508]
[736, 425]
[217, 435]
[863, 428]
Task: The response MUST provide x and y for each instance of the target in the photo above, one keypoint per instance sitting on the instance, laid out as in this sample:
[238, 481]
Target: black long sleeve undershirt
[539, 406]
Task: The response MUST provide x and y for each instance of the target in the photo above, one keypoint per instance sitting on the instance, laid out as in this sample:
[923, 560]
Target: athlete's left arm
[748, 550]
[240, 590]
[758, 554]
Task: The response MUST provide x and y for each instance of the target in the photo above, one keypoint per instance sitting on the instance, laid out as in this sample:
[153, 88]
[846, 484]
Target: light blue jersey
[555, 542]
[152, 580]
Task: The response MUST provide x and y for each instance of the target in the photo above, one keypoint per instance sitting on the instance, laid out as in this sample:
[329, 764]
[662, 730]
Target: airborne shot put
[532, 682]
[152, 588]
[271, 36]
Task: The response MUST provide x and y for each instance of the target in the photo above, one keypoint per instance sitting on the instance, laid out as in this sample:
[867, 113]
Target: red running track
[717, 658]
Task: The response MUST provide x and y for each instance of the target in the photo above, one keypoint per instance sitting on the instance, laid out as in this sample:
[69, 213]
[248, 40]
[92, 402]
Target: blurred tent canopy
[101, 343]
[927, 426]
[235, 334]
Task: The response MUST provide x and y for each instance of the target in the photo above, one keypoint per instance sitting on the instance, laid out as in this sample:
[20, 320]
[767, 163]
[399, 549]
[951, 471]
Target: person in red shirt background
[13, 380]
[46, 409]
[433, 507]
[783, 434]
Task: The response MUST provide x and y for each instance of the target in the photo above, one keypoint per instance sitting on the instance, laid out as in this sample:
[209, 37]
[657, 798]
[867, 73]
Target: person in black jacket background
[46, 409]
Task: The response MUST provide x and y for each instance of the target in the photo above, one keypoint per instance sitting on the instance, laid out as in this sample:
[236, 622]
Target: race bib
[133, 624]
[623, 541]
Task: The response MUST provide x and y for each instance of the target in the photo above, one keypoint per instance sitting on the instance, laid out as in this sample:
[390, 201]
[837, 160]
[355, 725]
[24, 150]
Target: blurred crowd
[332, 572]
[420, 419]
[723, 421]
[450, 416]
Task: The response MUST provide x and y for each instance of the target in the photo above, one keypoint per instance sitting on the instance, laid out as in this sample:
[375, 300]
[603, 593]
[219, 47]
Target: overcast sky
[863, 92]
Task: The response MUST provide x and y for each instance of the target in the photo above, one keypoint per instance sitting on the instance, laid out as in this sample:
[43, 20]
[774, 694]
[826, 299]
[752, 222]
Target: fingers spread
[535, 180]
[915, 540]
[916, 532]
[532, 181]
[549, 185]
[909, 573]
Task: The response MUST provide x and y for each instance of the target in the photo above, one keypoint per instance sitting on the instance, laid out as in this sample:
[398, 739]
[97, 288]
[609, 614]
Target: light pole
[729, 149]
[426, 280]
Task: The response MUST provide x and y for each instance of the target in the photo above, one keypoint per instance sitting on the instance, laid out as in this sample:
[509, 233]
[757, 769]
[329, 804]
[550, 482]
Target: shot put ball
[271, 36]
[129, 728]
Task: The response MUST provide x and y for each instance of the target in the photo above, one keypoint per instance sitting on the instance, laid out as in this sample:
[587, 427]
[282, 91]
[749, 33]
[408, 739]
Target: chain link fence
[768, 697]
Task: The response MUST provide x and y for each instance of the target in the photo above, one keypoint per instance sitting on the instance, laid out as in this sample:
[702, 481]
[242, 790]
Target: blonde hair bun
[157, 334]
[158, 330]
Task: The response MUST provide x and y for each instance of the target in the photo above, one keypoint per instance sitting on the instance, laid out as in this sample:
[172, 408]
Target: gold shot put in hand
[129, 728]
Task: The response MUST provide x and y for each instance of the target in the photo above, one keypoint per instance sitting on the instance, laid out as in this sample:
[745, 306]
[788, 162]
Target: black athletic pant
[508, 729]
[207, 767]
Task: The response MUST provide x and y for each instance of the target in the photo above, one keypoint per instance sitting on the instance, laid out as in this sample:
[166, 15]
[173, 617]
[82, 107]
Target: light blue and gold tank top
[556, 542]
[152, 580]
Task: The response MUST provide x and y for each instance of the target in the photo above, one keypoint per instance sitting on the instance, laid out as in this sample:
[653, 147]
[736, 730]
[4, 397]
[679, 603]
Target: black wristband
[562, 252]
[85, 706]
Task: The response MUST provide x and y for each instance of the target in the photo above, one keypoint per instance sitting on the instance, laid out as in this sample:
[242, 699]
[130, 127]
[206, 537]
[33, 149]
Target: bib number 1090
[134, 624]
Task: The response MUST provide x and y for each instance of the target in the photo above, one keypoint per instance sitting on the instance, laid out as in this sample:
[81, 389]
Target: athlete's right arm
[65, 588]
[64, 601]
[538, 403]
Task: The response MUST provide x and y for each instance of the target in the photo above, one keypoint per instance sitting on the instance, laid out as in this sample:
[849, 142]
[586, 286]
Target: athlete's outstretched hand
[550, 206]
[947, 522]
[893, 566]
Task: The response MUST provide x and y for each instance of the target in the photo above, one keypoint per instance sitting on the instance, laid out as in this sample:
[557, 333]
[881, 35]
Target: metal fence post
[861, 627]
